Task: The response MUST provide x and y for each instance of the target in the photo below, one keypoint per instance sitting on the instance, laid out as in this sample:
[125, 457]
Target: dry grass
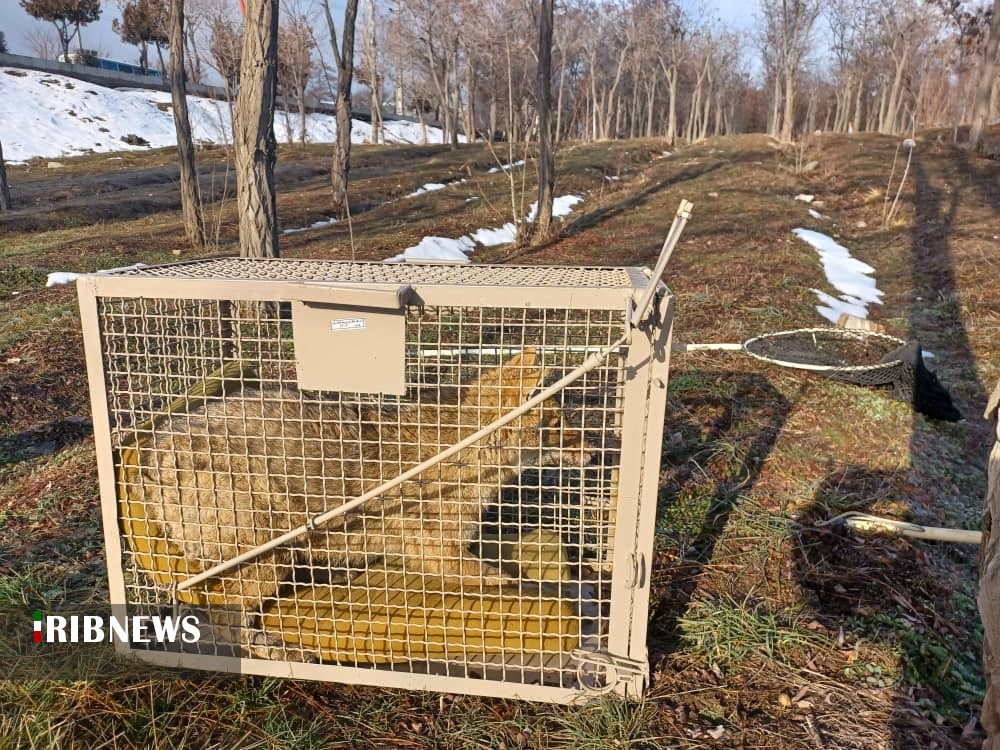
[764, 631]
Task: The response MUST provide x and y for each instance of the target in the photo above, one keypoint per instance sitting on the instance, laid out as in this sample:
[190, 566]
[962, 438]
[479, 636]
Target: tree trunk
[981, 110]
[398, 98]
[470, 107]
[493, 117]
[788, 119]
[856, 124]
[455, 117]
[774, 122]
[194, 224]
[340, 172]
[546, 162]
[672, 115]
[557, 133]
[301, 97]
[253, 136]
[5, 204]
[287, 115]
[888, 124]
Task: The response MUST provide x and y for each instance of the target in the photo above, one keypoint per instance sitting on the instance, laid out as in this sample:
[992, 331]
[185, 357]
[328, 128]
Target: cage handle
[680, 220]
[389, 296]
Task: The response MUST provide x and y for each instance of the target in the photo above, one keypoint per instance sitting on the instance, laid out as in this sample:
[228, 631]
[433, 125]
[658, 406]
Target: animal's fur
[241, 471]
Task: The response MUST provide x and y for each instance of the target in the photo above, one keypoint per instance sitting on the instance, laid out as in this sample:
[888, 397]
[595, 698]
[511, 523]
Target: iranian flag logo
[38, 626]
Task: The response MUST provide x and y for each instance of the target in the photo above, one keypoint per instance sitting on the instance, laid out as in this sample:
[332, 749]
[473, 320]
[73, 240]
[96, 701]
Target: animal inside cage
[438, 477]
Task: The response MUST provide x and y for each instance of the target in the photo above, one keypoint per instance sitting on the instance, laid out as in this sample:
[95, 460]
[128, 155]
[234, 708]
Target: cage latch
[616, 669]
[635, 574]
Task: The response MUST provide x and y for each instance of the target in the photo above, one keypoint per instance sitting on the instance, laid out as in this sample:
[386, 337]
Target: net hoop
[844, 333]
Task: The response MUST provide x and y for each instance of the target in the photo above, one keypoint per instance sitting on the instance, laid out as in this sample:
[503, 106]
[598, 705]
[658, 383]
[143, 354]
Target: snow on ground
[505, 167]
[815, 214]
[846, 274]
[432, 186]
[444, 249]
[68, 277]
[48, 115]
[437, 248]
[427, 188]
[315, 225]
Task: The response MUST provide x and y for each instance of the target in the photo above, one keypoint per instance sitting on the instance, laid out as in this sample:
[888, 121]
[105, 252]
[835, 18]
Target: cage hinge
[616, 669]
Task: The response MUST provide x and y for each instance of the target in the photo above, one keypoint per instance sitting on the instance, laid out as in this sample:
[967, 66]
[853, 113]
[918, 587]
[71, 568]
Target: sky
[16, 24]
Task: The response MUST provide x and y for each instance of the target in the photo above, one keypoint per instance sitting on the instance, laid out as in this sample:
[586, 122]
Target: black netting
[863, 358]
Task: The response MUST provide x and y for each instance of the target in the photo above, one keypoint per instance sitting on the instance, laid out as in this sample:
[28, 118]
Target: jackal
[241, 471]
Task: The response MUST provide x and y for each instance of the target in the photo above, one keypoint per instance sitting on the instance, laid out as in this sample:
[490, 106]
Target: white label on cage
[347, 324]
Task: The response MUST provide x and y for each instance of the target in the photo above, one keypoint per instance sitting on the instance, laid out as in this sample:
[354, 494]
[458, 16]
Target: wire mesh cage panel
[440, 477]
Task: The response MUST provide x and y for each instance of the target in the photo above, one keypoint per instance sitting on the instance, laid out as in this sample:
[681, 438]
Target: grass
[751, 606]
[725, 631]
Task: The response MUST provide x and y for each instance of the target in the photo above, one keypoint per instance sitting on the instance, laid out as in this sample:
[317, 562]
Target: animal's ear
[510, 384]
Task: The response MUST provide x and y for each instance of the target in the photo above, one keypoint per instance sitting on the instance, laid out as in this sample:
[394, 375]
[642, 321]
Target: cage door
[346, 348]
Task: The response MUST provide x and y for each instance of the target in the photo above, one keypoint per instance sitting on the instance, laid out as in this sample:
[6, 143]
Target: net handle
[745, 348]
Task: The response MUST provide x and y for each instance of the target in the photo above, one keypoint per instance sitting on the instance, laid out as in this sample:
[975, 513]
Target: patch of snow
[437, 248]
[805, 197]
[561, 206]
[815, 214]
[61, 277]
[472, 199]
[429, 187]
[68, 277]
[315, 225]
[491, 237]
[505, 167]
[41, 124]
[846, 274]
[444, 249]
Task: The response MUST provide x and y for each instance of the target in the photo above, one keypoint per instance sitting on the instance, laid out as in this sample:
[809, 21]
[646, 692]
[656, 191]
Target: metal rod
[706, 347]
[680, 219]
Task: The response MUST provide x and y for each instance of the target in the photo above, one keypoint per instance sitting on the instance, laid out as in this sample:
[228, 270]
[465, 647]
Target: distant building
[91, 59]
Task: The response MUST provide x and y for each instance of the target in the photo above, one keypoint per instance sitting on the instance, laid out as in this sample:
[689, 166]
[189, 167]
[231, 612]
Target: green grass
[728, 631]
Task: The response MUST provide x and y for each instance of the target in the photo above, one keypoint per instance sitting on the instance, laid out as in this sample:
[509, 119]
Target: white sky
[15, 23]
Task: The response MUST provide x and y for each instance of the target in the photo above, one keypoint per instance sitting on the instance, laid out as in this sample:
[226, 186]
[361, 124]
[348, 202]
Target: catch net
[854, 356]
[865, 358]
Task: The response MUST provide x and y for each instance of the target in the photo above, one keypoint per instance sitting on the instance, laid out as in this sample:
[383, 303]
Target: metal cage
[426, 476]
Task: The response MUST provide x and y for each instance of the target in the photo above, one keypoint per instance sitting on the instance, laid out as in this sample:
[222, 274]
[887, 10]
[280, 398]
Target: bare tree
[344, 59]
[295, 66]
[224, 47]
[546, 162]
[253, 131]
[788, 26]
[194, 223]
[370, 69]
[43, 43]
[5, 204]
[987, 80]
